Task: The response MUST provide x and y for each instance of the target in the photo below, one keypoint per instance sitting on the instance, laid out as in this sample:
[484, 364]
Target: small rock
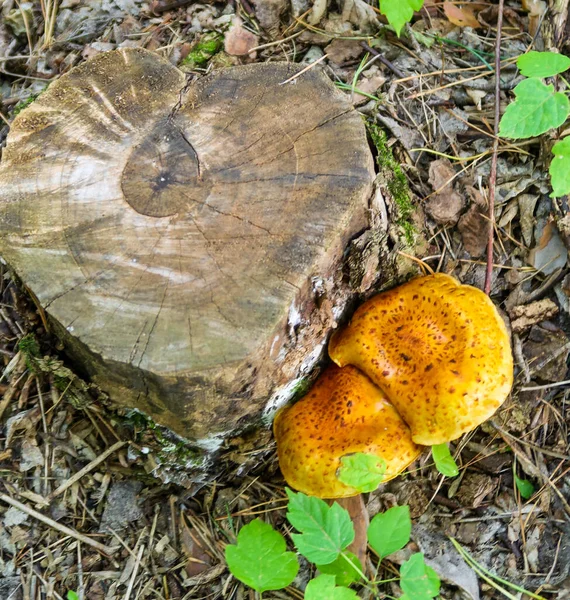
[11, 588]
[313, 54]
[122, 506]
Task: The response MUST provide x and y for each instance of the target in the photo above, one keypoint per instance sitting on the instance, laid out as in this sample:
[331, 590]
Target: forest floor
[94, 502]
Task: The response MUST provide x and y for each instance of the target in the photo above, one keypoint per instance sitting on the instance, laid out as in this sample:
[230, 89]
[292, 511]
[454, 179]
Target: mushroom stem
[359, 517]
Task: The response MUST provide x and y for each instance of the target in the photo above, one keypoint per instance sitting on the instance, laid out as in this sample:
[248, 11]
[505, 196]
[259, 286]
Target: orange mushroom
[344, 413]
[439, 350]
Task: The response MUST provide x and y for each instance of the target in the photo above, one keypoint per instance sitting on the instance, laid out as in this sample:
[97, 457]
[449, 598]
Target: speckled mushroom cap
[438, 349]
[343, 413]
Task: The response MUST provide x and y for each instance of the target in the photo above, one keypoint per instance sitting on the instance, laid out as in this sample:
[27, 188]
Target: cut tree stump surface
[186, 241]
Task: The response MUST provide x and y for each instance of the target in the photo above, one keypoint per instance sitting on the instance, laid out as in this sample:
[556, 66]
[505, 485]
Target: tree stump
[186, 241]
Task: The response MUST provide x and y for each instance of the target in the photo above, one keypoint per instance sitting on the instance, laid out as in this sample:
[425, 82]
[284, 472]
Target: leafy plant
[538, 108]
[525, 487]
[72, 595]
[361, 471]
[390, 531]
[260, 560]
[444, 462]
[399, 12]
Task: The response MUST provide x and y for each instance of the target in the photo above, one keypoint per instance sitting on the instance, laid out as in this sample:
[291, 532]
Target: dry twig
[493, 174]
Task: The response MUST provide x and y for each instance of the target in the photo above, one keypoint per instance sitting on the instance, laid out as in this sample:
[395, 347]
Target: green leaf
[343, 569]
[542, 64]
[324, 588]
[390, 531]
[260, 559]
[325, 530]
[536, 109]
[417, 580]
[560, 168]
[363, 472]
[524, 486]
[399, 12]
[72, 595]
[444, 462]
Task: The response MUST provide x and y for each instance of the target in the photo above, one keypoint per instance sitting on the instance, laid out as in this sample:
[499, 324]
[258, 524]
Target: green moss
[301, 388]
[203, 51]
[396, 182]
[24, 104]
[168, 449]
[30, 348]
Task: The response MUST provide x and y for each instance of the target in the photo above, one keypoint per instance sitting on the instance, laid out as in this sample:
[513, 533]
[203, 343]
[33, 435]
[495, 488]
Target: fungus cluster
[416, 366]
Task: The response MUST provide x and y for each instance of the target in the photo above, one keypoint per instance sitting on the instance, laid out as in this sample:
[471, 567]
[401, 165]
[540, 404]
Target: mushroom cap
[438, 349]
[344, 413]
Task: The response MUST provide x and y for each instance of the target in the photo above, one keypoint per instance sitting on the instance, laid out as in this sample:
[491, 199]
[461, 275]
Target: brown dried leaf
[462, 16]
[369, 84]
[339, 51]
[198, 559]
[488, 16]
[445, 205]
[474, 224]
[475, 487]
[239, 41]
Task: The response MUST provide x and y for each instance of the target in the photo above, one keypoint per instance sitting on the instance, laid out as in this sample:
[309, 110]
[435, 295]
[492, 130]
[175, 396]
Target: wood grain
[171, 230]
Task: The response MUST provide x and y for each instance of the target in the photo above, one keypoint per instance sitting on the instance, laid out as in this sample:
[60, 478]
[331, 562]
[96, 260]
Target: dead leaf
[198, 559]
[550, 254]
[239, 41]
[527, 204]
[445, 205]
[476, 96]
[536, 10]
[444, 559]
[269, 12]
[339, 51]
[318, 11]
[546, 351]
[462, 16]
[475, 488]
[525, 316]
[474, 224]
[369, 84]
[488, 17]
[361, 14]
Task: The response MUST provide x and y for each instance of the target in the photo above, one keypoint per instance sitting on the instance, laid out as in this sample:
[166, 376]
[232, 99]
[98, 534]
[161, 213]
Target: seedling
[538, 108]
[260, 560]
